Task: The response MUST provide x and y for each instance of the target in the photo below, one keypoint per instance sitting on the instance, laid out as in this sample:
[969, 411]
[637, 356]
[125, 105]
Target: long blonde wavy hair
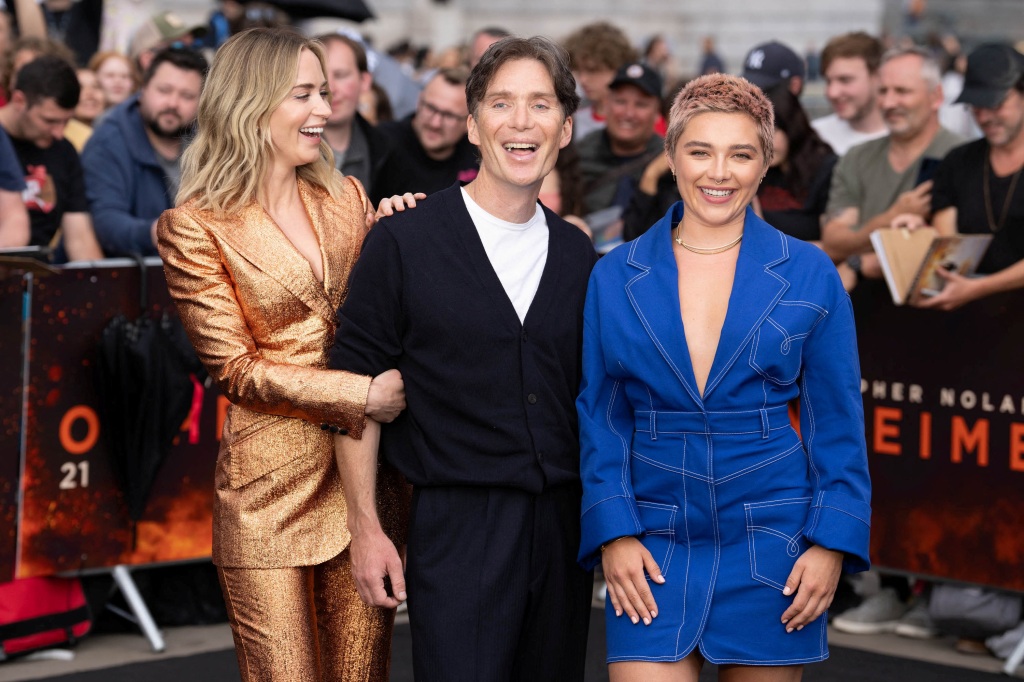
[252, 74]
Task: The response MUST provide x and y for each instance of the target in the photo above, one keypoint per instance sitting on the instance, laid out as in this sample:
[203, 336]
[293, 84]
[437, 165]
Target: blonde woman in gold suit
[257, 256]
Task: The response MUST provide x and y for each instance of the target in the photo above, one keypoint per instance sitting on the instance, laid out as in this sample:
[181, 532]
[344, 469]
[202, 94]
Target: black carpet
[845, 665]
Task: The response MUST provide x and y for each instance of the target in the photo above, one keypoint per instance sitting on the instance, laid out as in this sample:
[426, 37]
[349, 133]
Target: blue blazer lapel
[654, 294]
[755, 291]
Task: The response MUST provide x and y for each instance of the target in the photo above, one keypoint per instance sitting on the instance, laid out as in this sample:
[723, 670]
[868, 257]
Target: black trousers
[495, 593]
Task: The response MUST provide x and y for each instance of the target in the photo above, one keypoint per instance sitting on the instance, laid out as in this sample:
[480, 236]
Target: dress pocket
[775, 538]
[778, 343]
[660, 536]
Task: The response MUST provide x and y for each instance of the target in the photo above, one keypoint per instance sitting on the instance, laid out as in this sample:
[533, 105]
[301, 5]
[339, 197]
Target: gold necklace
[706, 251]
[992, 224]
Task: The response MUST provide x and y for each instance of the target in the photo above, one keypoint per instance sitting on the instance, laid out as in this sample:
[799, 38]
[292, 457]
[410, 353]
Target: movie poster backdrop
[943, 397]
[11, 310]
[73, 512]
[944, 413]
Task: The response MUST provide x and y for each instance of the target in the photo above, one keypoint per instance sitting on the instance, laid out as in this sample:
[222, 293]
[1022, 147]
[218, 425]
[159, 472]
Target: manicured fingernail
[647, 621]
[654, 614]
[787, 590]
[799, 627]
[635, 620]
[789, 629]
[785, 620]
[617, 612]
[660, 579]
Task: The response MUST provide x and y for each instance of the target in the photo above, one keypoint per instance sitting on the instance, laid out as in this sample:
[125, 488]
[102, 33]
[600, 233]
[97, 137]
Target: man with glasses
[430, 150]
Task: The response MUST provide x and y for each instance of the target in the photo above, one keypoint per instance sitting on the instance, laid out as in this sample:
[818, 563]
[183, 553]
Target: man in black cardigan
[476, 296]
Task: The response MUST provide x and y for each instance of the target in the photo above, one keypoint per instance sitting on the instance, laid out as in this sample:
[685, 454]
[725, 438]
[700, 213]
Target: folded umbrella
[144, 381]
[353, 10]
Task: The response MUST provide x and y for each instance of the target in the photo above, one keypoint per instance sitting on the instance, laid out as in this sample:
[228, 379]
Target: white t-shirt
[517, 251]
[840, 135]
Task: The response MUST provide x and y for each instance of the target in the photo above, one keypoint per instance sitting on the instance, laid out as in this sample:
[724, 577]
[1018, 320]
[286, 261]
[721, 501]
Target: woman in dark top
[794, 193]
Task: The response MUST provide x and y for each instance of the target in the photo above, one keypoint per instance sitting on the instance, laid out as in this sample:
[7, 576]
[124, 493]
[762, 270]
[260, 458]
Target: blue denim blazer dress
[719, 487]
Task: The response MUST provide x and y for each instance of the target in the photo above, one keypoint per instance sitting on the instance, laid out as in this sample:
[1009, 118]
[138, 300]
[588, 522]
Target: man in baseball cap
[159, 31]
[772, 63]
[992, 71]
[612, 160]
[976, 186]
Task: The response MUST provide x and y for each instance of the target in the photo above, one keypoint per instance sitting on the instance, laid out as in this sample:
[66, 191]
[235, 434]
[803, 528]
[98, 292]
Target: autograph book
[910, 259]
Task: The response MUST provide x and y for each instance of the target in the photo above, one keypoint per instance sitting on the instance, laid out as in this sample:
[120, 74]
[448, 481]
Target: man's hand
[813, 579]
[917, 201]
[375, 558]
[624, 562]
[909, 221]
[389, 205]
[959, 290]
[386, 398]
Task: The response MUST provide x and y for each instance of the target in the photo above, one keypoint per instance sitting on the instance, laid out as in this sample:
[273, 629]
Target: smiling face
[718, 164]
[297, 123]
[1004, 124]
[632, 114]
[909, 102]
[91, 101]
[346, 81]
[850, 88]
[168, 102]
[440, 120]
[519, 126]
[115, 77]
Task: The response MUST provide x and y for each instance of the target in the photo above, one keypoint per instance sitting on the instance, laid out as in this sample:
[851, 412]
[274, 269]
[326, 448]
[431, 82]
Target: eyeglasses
[430, 111]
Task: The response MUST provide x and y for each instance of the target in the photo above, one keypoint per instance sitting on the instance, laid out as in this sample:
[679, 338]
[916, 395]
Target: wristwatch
[854, 263]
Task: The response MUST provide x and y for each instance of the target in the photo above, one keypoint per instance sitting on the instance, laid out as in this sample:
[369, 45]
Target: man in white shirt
[850, 64]
[476, 296]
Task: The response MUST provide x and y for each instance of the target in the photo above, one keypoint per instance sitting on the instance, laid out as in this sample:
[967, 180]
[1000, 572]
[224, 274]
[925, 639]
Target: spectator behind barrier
[14, 225]
[881, 179]
[160, 31]
[91, 105]
[132, 162]
[430, 150]
[359, 149]
[43, 100]
[596, 52]
[117, 76]
[977, 188]
[850, 64]
[483, 39]
[613, 159]
[772, 63]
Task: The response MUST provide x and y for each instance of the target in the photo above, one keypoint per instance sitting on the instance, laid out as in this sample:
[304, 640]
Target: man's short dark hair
[357, 48]
[48, 77]
[180, 57]
[550, 54]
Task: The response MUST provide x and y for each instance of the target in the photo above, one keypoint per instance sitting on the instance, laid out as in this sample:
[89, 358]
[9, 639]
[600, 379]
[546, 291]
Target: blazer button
[532, 399]
[342, 432]
[334, 429]
[325, 427]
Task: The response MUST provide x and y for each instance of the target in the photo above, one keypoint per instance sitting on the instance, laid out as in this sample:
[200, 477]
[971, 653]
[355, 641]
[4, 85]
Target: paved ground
[105, 651]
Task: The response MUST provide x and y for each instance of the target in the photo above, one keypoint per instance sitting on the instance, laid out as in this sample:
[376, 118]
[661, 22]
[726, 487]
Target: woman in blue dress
[721, 530]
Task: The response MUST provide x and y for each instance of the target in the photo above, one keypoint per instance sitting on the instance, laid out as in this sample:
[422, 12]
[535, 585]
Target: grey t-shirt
[356, 159]
[864, 179]
[172, 174]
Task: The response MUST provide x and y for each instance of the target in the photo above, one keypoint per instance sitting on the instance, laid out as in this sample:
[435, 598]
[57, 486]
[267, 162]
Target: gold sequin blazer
[262, 325]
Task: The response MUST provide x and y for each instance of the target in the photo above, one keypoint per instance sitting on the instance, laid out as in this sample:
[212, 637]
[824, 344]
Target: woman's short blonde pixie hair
[724, 94]
[252, 74]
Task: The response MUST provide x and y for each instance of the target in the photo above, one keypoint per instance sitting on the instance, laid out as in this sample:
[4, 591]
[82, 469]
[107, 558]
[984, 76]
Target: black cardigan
[491, 401]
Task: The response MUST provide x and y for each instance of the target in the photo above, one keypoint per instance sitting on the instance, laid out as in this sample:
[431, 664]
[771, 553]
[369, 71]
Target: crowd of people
[475, 404]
